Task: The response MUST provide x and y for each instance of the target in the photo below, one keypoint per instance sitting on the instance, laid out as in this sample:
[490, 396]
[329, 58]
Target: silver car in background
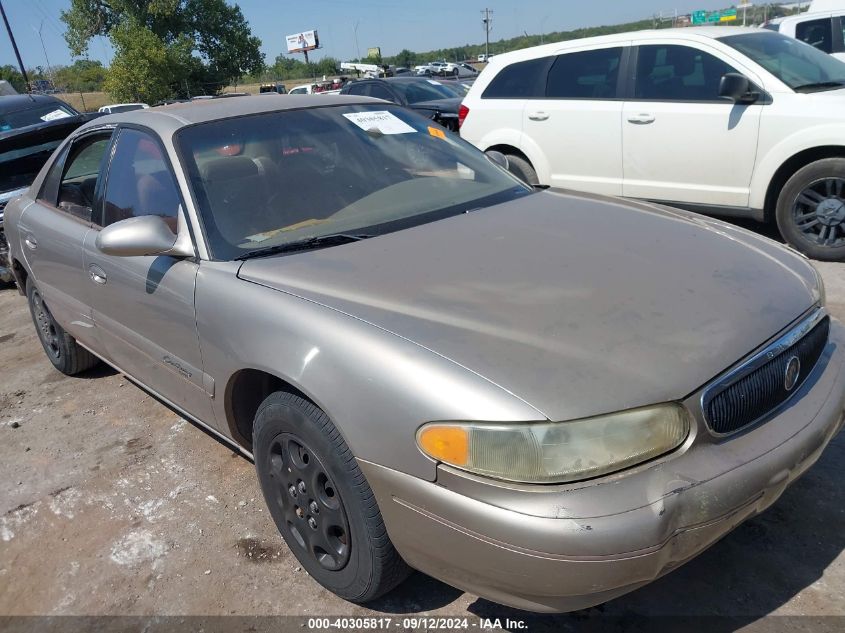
[543, 398]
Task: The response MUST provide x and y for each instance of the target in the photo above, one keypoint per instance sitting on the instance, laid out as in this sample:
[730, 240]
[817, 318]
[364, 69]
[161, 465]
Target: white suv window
[667, 72]
[522, 80]
[818, 33]
[585, 75]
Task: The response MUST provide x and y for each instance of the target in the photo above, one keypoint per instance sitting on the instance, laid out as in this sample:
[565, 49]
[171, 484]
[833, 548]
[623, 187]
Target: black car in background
[31, 127]
[434, 99]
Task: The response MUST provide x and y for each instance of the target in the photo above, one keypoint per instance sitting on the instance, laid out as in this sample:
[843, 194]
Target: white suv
[823, 26]
[721, 120]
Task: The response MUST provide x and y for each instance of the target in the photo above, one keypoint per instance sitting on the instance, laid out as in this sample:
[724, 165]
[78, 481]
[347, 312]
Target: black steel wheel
[320, 500]
[811, 210]
[313, 511]
[46, 327]
[61, 348]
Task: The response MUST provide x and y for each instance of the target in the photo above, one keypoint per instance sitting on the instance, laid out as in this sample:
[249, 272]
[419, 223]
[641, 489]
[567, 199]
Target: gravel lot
[110, 503]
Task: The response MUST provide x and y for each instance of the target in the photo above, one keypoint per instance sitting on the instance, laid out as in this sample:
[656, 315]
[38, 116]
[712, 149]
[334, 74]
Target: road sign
[728, 15]
[698, 17]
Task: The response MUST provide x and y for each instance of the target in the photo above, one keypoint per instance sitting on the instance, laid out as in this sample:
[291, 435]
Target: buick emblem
[790, 376]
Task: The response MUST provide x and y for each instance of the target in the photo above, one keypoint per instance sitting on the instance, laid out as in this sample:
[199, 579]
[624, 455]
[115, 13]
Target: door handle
[538, 116]
[641, 119]
[31, 242]
[98, 275]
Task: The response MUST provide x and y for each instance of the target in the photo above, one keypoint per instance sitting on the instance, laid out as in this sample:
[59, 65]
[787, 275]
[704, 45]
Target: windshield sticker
[55, 114]
[436, 133]
[381, 120]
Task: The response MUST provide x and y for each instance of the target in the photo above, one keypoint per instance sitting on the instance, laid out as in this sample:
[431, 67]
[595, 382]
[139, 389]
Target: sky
[347, 27]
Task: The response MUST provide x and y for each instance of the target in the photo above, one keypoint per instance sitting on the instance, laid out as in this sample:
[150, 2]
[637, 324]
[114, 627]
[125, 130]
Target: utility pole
[487, 20]
[47, 59]
[14, 46]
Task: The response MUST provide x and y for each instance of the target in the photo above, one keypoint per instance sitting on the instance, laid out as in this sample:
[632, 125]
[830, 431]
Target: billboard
[300, 42]
[374, 53]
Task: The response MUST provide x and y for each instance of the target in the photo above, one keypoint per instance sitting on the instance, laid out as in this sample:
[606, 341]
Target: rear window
[426, 90]
[40, 113]
[522, 80]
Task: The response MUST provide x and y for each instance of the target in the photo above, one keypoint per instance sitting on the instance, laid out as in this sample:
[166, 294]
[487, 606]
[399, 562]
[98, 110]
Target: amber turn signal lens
[448, 444]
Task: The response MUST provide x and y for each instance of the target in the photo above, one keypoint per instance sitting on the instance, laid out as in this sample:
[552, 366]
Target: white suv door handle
[641, 119]
[31, 242]
[538, 116]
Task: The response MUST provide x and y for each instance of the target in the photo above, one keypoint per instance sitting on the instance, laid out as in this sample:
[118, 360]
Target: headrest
[229, 168]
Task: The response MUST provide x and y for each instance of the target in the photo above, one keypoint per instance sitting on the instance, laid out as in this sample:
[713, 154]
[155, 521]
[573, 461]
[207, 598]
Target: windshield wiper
[819, 85]
[319, 241]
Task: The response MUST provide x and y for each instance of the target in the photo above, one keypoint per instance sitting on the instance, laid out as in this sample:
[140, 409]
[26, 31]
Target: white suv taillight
[463, 111]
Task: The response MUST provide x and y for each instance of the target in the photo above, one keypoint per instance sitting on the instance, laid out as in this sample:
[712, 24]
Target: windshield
[38, 113]
[265, 180]
[425, 90]
[798, 65]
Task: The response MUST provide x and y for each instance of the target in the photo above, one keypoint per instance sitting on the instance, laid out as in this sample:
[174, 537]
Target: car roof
[166, 119]
[13, 103]
[684, 33]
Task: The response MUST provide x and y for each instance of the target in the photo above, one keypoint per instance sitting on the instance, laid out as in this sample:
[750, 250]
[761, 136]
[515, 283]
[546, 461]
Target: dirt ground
[111, 504]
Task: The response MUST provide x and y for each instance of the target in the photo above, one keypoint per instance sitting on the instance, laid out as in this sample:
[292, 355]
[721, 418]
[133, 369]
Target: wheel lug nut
[300, 513]
[312, 522]
[302, 488]
[314, 507]
[292, 491]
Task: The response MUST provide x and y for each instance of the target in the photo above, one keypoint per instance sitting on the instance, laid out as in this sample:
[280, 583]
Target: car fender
[526, 145]
[377, 388]
[826, 135]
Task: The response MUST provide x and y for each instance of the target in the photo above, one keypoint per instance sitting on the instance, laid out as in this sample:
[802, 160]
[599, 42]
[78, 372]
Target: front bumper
[562, 548]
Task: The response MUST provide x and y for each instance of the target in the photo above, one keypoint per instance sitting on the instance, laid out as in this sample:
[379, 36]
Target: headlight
[556, 452]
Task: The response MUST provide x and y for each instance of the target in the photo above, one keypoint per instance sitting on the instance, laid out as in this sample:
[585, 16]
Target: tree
[13, 76]
[195, 46]
[140, 70]
[84, 75]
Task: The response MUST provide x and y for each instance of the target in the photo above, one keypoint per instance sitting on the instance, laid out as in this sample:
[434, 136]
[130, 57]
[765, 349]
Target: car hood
[577, 304]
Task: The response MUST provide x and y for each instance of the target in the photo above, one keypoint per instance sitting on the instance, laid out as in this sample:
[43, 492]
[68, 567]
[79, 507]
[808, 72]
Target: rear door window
[80, 172]
[585, 75]
[521, 80]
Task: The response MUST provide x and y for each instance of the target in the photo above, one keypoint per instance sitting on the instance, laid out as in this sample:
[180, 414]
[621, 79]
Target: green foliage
[141, 69]
[183, 47]
[13, 76]
[471, 51]
[286, 67]
[83, 75]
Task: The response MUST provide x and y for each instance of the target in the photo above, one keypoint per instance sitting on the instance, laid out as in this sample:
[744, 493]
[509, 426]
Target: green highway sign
[705, 17]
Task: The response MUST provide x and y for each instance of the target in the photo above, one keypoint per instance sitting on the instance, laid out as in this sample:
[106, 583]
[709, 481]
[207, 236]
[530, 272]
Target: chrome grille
[756, 388]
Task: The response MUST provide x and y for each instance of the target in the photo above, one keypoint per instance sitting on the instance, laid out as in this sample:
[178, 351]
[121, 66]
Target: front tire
[811, 210]
[68, 356]
[321, 502]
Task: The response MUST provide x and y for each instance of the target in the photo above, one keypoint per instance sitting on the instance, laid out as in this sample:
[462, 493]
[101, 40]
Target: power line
[487, 21]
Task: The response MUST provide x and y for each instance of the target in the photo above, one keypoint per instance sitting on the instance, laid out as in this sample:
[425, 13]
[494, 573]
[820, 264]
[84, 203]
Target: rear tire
[321, 502]
[68, 356]
[522, 169]
[810, 210]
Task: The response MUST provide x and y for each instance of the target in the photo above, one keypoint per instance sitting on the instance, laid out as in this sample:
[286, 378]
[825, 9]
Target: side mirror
[142, 235]
[737, 88]
[497, 158]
